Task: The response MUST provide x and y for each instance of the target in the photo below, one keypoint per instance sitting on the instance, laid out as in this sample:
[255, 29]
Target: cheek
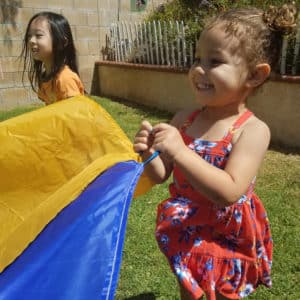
[191, 76]
[228, 78]
[220, 76]
[191, 73]
[244, 76]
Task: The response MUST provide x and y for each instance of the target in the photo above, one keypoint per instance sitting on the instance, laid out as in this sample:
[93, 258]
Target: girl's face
[220, 73]
[40, 41]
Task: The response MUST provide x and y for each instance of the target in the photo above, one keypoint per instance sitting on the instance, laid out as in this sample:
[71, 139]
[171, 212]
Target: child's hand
[144, 138]
[168, 141]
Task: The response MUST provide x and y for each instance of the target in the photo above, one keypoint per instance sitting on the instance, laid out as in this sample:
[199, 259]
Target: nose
[199, 68]
[31, 39]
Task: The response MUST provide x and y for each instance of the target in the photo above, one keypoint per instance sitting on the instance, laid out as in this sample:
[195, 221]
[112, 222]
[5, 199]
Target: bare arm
[161, 167]
[224, 187]
[158, 170]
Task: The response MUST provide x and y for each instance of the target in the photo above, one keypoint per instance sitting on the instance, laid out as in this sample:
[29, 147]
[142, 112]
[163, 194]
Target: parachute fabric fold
[78, 254]
[47, 158]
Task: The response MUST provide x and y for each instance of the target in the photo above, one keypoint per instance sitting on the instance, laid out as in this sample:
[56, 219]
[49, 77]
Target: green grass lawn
[145, 273]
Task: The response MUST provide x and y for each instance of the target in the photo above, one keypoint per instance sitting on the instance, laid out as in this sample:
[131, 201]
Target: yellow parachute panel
[47, 158]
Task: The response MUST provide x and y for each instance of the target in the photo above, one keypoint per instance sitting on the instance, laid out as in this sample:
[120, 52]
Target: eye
[197, 61]
[216, 62]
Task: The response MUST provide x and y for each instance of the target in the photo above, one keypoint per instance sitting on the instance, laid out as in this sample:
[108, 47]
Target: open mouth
[203, 86]
[34, 50]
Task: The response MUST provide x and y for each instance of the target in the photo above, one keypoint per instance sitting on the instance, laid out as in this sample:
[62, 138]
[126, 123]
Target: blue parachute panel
[78, 254]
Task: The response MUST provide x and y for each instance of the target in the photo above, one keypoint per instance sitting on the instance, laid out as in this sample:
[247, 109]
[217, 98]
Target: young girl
[50, 58]
[213, 229]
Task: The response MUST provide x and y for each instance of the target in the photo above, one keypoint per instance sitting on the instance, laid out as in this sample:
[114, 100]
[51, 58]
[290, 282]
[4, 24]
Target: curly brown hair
[260, 33]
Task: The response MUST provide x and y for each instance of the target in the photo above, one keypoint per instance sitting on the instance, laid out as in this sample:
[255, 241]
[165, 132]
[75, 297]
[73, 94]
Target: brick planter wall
[277, 102]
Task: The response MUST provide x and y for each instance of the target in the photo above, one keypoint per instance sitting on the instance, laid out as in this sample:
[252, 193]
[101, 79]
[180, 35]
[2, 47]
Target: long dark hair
[64, 52]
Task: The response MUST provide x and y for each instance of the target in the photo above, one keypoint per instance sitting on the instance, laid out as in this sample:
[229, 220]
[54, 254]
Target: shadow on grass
[284, 149]
[145, 296]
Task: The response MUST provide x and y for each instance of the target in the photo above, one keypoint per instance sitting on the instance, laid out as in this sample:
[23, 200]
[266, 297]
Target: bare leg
[184, 295]
[221, 297]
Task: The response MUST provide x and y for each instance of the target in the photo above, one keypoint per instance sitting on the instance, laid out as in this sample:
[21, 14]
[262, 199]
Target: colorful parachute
[67, 176]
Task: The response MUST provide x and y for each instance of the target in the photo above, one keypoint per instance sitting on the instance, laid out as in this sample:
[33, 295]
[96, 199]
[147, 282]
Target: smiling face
[220, 73]
[39, 40]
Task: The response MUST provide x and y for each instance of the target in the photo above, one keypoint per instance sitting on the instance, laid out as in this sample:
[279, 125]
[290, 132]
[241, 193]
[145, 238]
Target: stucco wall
[276, 102]
[153, 86]
[90, 21]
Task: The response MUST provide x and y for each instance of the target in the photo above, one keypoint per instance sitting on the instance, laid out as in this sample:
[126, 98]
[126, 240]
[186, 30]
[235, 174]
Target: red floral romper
[211, 248]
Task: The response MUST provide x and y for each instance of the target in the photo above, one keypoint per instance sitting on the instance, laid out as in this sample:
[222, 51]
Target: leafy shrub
[194, 13]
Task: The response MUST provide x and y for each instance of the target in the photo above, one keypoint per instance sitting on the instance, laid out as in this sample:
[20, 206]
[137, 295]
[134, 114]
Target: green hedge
[194, 13]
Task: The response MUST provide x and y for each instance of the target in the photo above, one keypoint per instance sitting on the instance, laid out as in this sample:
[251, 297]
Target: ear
[260, 73]
[66, 42]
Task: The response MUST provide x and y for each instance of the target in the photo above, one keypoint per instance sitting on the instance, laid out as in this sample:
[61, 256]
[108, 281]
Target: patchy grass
[4, 115]
[145, 274]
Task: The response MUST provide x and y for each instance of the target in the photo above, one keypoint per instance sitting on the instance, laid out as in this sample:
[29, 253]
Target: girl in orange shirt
[50, 58]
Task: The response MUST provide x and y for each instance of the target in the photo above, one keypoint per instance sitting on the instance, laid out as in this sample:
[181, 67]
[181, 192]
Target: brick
[90, 61]
[11, 64]
[11, 49]
[125, 5]
[32, 3]
[24, 15]
[93, 19]
[11, 98]
[7, 80]
[82, 47]
[61, 4]
[76, 17]
[18, 80]
[107, 17]
[94, 48]
[86, 5]
[86, 77]
[86, 32]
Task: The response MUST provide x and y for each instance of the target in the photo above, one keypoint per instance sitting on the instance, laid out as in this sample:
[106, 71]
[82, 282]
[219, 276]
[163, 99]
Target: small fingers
[145, 130]
[143, 139]
[140, 147]
[145, 125]
[160, 127]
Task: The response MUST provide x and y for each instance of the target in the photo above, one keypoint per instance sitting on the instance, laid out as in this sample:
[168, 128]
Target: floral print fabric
[211, 248]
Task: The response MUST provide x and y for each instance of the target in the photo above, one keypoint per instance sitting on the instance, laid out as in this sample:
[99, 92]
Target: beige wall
[89, 20]
[276, 102]
[150, 86]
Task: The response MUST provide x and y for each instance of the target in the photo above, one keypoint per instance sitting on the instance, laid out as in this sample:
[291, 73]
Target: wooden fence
[164, 43]
[149, 43]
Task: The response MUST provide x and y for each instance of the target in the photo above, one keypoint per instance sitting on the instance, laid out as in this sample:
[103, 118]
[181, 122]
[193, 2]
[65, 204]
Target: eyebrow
[37, 30]
[213, 52]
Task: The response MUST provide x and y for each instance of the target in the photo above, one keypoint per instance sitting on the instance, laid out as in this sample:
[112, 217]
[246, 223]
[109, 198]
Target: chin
[204, 101]
[37, 59]
[200, 103]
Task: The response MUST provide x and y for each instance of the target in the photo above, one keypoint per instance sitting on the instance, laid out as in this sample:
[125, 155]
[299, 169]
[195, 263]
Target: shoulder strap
[242, 119]
[187, 123]
[237, 124]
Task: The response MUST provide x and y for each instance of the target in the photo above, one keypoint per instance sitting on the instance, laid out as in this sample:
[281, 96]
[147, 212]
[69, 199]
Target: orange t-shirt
[66, 84]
